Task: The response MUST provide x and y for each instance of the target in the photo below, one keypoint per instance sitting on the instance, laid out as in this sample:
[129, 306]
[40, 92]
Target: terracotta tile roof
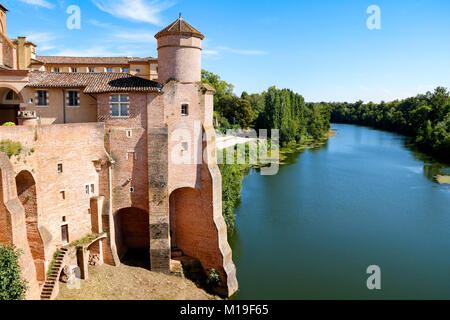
[89, 60]
[103, 82]
[180, 27]
[148, 59]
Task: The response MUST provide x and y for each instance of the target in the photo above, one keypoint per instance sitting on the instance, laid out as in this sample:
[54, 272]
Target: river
[365, 198]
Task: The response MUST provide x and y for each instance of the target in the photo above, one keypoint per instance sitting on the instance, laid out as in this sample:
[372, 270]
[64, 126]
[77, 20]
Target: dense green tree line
[273, 109]
[425, 117]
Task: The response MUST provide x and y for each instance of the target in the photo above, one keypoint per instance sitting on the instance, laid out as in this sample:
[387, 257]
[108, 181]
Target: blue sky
[321, 49]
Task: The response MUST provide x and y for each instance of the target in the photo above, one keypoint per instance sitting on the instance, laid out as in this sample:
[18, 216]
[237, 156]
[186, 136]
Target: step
[176, 253]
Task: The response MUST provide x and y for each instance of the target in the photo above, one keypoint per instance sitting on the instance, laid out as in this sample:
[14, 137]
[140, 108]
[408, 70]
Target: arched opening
[9, 105]
[132, 226]
[185, 217]
[26, 191]
[5, 223]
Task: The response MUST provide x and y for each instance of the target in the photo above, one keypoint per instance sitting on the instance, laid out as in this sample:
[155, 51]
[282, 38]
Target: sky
[322, 49]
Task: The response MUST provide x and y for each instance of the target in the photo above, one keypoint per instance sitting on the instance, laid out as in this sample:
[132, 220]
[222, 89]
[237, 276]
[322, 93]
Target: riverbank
[365, 198]
[443, 179]
[234, 174]
[132, 283]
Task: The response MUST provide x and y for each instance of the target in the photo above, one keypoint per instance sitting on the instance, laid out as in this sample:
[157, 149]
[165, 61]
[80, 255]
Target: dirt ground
[132, 283]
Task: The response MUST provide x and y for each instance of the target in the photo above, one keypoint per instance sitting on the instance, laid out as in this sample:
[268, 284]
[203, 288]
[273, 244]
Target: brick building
[123, 148]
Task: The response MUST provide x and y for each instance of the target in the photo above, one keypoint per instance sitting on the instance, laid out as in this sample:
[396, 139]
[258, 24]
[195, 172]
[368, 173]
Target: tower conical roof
[180, 27]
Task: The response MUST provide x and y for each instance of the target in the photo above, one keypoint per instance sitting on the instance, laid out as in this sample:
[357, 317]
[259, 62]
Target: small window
[132, 189]
[54, 69]
[88, 190]
[185, 146]
[138, 70]
[60, 168]
[119, 105]
[91, 70]
[129, 133]
[64, 219]
[73, 69]
[184, 110]
[92, 188]
[42, 98]
[125, 70]
[12, 96]
[73, 97]
[65, 234]
[62, 195]
[109, 70]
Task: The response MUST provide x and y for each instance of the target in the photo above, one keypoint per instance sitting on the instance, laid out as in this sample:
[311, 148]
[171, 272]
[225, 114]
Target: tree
[222, 88]
[12, 286]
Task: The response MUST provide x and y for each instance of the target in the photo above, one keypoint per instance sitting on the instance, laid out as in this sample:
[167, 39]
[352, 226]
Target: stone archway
[26, 191]
[10, 102]
[185, 216]
[132, 232]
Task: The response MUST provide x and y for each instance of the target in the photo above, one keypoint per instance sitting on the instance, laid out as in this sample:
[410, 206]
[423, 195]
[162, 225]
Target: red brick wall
[26, 190]
[129, 152]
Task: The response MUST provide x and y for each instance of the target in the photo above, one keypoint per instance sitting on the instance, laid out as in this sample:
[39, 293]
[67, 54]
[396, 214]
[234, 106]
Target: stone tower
[179, 53]
[185, 184]
[3, 11]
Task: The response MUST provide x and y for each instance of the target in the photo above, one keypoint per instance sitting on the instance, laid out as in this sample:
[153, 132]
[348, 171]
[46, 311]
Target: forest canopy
[425, 117]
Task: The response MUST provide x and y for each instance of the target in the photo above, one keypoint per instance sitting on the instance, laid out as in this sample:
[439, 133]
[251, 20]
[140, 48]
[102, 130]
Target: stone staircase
[186, 267]
[53, 278]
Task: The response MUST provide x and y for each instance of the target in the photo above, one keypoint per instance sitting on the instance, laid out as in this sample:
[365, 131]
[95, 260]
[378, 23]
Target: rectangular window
[109, 70]
[42, 98]
[55, 69]
[60, 168]
[125, 70]
[119, 105]
[92, 188]
[73, 97]
[62, 195]
[184, 110]
[138, 70]
[91, 70]
[88, 192]
[73, 69]
[65, 234]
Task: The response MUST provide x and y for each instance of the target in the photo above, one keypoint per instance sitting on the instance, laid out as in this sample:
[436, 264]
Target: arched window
[12, 96]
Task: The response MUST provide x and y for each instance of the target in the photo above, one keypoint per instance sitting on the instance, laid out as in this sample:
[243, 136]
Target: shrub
[12, 286]
[213, 279]
[9, 124]
[11, 148]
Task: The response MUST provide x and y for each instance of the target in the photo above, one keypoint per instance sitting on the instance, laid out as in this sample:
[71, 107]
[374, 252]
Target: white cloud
[44, 40]
[134, 36]
[211, 52]
[41, 3]
[90, 52]
[243, 51]
[100, 24]
[138, 10]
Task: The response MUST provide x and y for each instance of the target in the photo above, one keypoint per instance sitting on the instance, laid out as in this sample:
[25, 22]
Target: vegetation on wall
[11, 148]
[425, 117]
[12, 286]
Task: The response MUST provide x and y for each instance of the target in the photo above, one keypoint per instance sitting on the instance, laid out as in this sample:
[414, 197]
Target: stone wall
[75, 147]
